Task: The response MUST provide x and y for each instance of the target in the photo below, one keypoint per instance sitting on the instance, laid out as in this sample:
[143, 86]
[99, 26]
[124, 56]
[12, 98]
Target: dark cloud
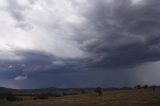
[41, 67]
[34, 61]
[126, 33]
[114, 34]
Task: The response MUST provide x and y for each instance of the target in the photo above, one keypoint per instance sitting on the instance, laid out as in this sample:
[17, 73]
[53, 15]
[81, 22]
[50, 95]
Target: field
[142, 97]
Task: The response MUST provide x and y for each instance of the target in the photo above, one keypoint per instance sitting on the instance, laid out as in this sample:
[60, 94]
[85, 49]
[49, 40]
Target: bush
[145, 86]
[99, 91]
[11, 97]
[2, 97]
[41, 96]
[153, 88]
[57, 94]
[138, 87]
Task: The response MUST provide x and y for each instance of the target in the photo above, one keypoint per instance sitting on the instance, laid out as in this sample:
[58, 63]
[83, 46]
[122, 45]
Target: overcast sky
[79, 43]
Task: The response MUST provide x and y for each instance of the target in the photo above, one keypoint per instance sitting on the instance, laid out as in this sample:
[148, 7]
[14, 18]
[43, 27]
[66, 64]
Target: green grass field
[142, 97]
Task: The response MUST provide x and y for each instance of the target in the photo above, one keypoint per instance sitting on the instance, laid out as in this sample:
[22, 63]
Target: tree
[153, 88]
[145, 86]
[99, 91]
[11, 97]
[138, 87]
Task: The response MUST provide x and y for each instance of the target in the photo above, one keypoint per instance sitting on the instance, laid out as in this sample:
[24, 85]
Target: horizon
[79, 43]
[52, 87]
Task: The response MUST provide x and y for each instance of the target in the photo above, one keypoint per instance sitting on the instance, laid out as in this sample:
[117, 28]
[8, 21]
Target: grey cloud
[116, 34]
[125, 33]
[17, 12]
[37, 62]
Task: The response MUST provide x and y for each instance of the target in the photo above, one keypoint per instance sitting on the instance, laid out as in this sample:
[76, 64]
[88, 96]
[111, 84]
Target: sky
[79, 43]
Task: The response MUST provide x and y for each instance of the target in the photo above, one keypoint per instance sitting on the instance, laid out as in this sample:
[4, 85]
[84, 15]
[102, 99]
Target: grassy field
[142, 97]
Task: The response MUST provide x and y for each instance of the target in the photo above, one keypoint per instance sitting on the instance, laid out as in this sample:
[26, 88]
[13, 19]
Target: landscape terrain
[84, 97]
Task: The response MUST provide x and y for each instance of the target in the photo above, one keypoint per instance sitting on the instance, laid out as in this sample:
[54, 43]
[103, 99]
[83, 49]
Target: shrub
[41, 96]
[99, 91]
[11, 97]
[138, 87]
[145, 86]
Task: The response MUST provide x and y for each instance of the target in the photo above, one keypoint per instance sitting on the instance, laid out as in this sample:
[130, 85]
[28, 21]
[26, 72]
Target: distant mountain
[6, 90]
[54, 89]
[41, 90]
[50, 89]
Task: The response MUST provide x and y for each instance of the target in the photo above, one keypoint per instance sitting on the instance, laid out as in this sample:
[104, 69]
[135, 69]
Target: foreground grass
[143, 97]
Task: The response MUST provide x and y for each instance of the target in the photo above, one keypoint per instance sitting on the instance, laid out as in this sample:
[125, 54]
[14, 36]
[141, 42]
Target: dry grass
[110, 98]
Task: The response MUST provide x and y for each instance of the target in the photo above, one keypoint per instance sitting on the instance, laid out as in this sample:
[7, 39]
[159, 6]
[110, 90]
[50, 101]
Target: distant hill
[6, 90]
[54, 89]
[42, 90]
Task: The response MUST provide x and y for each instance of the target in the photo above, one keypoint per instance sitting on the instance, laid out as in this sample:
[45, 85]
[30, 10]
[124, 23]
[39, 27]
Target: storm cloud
[76, 40]
[125, 33]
